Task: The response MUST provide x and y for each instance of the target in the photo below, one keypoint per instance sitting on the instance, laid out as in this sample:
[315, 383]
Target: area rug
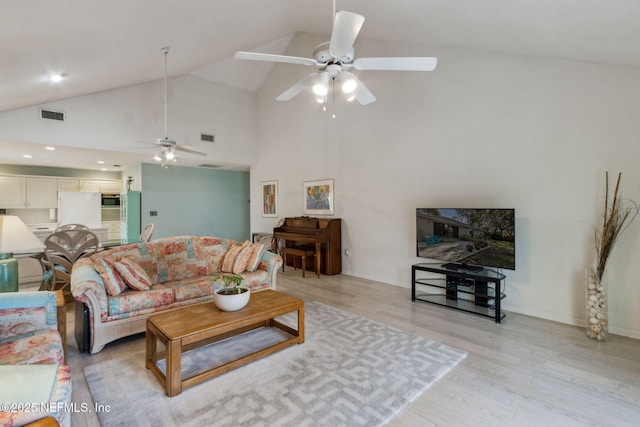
[350, 371]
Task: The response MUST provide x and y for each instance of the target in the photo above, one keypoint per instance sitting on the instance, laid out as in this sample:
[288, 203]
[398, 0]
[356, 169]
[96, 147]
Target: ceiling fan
[334, 60]
[166, 148]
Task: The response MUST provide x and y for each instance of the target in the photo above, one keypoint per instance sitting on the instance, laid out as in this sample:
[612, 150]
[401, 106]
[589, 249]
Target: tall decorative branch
[617, 216]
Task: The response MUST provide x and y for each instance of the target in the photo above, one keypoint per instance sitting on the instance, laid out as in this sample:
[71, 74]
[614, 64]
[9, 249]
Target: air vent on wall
[52, 115]
[209, 165]
[206, 138]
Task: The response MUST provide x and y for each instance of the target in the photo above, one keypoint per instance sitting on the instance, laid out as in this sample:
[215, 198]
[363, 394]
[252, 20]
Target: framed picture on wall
[318, 197]
[270, 198]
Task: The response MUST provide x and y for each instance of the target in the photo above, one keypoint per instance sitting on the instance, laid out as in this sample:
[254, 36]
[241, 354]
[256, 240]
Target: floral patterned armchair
[34, 380]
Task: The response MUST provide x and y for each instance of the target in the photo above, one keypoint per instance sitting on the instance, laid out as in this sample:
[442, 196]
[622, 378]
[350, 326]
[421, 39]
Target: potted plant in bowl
[230, 296]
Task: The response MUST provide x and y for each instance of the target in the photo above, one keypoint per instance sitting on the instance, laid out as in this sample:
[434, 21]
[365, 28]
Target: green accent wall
[196, 202]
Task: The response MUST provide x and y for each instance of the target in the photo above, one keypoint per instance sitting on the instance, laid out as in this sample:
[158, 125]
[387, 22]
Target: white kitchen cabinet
[101, 233]
[68, 184]
[43, 234]
[110, 187]
[42, 193]
[21, 192]
[113, 230]
[13, 192]
[29, 271]
[101, 186]
[90, 185]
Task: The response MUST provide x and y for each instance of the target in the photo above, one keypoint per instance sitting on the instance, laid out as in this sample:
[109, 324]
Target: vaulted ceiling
[101, 45]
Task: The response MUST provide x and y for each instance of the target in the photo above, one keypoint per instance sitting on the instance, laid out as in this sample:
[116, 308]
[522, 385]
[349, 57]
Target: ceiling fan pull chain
[333, 97]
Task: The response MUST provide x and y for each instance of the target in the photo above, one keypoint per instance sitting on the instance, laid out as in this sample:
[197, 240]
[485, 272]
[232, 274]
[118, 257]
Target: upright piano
[324, 234]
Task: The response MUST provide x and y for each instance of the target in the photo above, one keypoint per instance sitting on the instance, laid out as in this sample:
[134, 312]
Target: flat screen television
[467, 238]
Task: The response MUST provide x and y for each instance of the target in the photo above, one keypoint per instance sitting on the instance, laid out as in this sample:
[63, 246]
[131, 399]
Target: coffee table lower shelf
[178, 338]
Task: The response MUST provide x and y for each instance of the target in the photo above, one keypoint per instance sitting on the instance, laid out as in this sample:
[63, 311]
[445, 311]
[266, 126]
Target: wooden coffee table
[201, 324]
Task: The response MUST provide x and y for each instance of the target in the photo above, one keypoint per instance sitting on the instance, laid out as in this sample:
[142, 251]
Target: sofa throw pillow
[256, 255]
[236, 258]
[113, 283]
[226, 263]
[240, 263]
[134, 276]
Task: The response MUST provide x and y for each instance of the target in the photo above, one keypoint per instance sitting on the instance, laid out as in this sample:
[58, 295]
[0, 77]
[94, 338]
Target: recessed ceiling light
[56, 78]
[100, 162]
[27, 156]
[50, 148]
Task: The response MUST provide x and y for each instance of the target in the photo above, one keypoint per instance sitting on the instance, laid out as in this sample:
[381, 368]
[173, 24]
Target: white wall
[483, 130]
[124, 118]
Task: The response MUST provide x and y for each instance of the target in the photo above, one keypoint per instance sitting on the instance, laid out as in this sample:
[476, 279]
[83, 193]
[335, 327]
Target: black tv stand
[462, 266]
[479, 292]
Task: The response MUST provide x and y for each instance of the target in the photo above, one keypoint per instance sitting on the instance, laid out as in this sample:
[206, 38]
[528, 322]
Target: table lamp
[14, 237]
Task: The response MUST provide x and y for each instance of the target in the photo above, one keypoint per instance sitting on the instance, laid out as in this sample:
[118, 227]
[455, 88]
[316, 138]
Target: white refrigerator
[80, 208]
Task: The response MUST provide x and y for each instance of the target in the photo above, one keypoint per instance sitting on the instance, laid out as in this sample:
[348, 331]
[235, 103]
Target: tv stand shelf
[478, 292]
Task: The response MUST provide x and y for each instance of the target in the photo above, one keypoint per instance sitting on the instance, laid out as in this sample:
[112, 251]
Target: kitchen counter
[43, 226]
[44, 230]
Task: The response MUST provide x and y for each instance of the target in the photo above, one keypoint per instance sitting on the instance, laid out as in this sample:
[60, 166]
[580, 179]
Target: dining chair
[146, 234]
[62, 249]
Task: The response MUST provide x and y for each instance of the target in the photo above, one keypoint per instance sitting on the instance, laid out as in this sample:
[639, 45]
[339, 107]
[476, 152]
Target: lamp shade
[15, 236]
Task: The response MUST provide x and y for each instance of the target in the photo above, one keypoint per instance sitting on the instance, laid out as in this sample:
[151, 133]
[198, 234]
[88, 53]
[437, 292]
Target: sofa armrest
[61, 312]
[26, 307]
[29, 300]
[271, 263]
[88, 288]
[270, 260]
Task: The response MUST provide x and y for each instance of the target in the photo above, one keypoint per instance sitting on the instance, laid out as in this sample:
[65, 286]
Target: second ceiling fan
[334, 60]
[166, 148]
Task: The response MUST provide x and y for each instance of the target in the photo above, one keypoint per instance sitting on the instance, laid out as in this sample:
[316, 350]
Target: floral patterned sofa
[178, 271]
[34, 381]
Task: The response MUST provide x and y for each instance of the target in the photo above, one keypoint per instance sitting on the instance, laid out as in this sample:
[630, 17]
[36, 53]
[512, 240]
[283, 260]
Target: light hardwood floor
[524, 372]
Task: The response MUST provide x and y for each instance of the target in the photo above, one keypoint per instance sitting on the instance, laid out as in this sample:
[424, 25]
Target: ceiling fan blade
[268, 57]
[346, 27]
[297, 88]
[396, 64]
[362, 94]
[187, 150]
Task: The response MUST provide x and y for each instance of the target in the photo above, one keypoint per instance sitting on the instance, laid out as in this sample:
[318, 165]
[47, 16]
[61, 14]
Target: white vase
[233, 302]
[596, 304]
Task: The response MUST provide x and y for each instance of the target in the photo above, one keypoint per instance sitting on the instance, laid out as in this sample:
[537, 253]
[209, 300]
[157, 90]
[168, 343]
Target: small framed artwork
[270, 198]
[318, 197]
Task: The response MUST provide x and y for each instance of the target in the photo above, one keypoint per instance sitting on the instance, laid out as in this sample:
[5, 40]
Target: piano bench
[302, 252]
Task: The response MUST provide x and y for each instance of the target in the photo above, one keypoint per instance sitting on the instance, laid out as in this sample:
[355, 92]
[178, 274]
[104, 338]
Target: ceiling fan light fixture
[320, 89]
[169, 154]
[158, 156]
[349, 86]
